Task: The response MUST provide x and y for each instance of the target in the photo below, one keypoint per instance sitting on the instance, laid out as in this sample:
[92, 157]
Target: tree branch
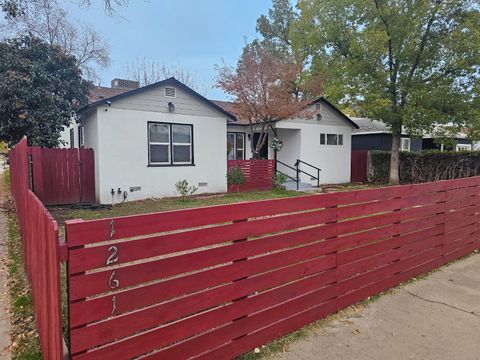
[418, 57]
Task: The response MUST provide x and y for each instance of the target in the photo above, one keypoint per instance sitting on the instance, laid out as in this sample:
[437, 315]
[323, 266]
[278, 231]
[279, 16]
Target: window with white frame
[463, 147]
[81, 137]
[235, 146]
[72, 138]
[331, 139]
[170, 144]
[405, 144]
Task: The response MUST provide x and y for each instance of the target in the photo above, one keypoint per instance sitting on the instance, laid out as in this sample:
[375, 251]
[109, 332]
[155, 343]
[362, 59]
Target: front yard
[171, 203]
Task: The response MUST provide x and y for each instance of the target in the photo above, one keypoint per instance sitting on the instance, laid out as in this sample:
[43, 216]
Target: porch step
[292, 185]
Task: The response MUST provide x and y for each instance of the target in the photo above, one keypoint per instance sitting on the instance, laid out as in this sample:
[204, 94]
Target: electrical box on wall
[135, 188]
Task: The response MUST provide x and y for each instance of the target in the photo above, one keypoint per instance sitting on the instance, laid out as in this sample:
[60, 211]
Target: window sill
[169, 165]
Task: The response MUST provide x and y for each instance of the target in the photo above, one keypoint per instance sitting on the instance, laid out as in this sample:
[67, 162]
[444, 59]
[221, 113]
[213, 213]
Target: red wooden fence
[359, 166]
[215, 282]
[63, 176]
[258, 174]
[39, 232]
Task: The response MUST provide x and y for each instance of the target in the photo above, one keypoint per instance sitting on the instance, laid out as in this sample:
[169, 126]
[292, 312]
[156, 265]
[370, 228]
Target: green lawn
[164, 204]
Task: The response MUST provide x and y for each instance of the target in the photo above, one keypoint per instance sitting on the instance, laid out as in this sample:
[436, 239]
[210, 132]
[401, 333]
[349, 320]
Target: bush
[279, 179]
[184, 189]
[425, 166]
[235, 176]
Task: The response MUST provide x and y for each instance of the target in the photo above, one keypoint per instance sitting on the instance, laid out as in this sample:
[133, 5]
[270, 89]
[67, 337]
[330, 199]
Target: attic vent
[170, 92]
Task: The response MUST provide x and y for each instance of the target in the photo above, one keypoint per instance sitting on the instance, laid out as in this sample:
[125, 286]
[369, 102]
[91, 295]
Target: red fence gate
[359, 166]
[258, 174]
[63, 176]
[215, 282]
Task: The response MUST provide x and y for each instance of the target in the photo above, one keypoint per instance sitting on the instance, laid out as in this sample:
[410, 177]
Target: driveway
[433, 318]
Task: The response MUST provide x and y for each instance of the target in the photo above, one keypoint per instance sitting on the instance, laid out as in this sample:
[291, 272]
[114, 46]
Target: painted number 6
[112, 282]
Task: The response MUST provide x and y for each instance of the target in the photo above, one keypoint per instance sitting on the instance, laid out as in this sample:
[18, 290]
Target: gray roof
[366, 125]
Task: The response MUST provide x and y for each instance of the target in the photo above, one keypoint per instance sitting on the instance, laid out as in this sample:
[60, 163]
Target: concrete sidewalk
[434, 318]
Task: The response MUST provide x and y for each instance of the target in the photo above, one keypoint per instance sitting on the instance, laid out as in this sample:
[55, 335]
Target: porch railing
[299, 171]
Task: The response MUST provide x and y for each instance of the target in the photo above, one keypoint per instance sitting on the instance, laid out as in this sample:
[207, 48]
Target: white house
[323, 139]
[145, 139]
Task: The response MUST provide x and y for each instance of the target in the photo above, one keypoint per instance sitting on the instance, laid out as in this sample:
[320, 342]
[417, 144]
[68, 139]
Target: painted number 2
[113, 258]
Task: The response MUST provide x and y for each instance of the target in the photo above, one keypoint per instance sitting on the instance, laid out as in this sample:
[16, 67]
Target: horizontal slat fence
[258, 174]
[215, 282]
[39, 233]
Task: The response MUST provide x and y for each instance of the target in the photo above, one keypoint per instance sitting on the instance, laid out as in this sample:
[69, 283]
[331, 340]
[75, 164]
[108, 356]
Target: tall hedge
[425, 166]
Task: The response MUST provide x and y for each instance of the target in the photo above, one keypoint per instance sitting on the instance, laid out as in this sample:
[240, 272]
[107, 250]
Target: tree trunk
[395, 159]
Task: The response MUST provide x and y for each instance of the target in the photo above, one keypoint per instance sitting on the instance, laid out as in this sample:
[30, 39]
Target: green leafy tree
[275, 27]
[41, 89]
[410, 63]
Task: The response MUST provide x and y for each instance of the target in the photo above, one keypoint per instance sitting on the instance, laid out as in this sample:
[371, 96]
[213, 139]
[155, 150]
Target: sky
[193, 34]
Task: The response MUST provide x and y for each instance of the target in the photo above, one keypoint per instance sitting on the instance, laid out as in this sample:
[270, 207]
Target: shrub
[235, 176]
[426, 166]
[279, 179]
[184, 189]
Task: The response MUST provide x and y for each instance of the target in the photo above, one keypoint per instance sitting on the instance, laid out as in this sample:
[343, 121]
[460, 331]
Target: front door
[264, 148]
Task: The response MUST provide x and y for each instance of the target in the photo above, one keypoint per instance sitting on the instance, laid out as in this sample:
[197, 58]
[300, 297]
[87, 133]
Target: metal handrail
[288, 176]
[296, 179]
[290, 167]
[298, 171]
[312, 166]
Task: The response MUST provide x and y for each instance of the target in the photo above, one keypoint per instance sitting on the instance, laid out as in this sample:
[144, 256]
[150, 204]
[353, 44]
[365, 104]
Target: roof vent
[126, 84]
[170, 92]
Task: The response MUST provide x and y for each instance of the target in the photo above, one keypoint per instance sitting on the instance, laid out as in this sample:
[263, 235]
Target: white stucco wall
[303, 137]
[121, 154]
[333, 160]
[65, 135]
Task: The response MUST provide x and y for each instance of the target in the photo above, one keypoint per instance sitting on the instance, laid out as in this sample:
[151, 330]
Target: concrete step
[292, 185]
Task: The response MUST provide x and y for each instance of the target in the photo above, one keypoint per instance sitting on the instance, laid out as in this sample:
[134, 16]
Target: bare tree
[14, 8]
[48, 21]
[147, 72]
[110, 6]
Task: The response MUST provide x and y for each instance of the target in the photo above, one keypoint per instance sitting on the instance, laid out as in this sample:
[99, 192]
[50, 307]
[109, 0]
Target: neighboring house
[461, 142]
[376, 135]
[145, 139]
